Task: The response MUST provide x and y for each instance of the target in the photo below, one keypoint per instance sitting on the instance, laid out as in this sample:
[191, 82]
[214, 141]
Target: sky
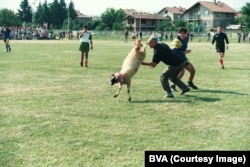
[97, 7]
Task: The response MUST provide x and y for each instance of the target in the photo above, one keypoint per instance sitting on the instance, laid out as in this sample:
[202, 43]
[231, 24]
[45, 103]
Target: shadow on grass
[187, 99]
[220, 91]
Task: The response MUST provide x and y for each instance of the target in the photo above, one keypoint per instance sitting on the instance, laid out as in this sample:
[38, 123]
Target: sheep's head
[113, 79]
[138, 44]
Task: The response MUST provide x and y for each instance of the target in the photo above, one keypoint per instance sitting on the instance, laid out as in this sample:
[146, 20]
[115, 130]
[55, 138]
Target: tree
[25, 13]
[179, 23]
[56, 15]
[72, 12]
[165, 25]
[245, 19]
[112, 18]
[8, 17]
[38, 15]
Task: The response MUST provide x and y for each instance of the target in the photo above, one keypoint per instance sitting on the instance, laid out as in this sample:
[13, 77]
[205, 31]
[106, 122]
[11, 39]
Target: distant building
[83, 19]
[141, 21]
[209, 15]
[172, 12]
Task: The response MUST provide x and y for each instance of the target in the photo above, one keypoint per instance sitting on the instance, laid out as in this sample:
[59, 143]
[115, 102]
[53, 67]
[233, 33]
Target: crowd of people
[20, 33]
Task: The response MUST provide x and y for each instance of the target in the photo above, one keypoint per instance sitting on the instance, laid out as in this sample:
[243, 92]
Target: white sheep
[130, 66]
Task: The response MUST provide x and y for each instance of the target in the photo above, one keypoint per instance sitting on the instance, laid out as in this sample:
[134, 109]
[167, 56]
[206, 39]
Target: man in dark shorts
[175, 63]
[220, 38]
[6, 38]
[86, 39]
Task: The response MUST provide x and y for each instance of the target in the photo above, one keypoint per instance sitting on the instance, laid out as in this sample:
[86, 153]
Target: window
[206, 13]
[130, 21]
[143, 21]
[217, 14]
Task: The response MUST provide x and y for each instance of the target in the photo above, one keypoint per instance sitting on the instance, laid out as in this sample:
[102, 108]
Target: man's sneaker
[191, 85]
[173, 87]
[222, 67]
[169, 95]
[81, 64]
[185, 91]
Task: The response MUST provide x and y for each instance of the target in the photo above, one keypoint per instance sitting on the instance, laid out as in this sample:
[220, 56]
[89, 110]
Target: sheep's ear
[112, 75]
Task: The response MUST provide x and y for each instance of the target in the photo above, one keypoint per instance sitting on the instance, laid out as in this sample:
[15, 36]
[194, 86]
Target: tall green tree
[38, 15]
[245, 19]
[9, 18]
[72, 12]
[25, 11]
[165, 25]
[113, 19]
[56, 17]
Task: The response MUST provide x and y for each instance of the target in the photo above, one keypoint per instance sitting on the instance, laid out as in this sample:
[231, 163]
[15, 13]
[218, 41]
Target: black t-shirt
[163, 53]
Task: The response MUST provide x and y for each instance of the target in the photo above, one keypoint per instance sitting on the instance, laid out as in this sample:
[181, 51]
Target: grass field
[55, 113]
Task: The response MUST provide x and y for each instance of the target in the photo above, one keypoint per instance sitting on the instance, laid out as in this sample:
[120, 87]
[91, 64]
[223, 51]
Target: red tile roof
[176, 10]
[216, 7]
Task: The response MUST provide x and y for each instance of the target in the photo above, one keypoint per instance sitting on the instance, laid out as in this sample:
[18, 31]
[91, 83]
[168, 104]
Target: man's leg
[86, 59]
[82, 57]
[221, 55]
[174, 72]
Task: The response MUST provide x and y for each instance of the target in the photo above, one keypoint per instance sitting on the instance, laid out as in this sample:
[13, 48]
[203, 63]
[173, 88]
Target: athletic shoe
[222, 67]
[173, 87]
[169, 95]
[81, 64]
[190, 84]
[185, 91]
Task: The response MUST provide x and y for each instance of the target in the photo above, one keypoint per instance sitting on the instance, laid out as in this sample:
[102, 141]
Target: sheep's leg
[128, 90]
[118, 91]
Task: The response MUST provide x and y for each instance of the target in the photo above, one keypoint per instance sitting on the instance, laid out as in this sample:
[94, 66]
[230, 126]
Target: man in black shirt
[175, 63]
[220, 39]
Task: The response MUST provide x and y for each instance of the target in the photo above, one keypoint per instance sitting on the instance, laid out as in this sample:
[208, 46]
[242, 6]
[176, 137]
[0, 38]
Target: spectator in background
[239, 37]
[6, 37]
[248, 37]
[171, 36]
[125, 36]
[208, 36]
[140, 34]
[191, 36]
[166, 36]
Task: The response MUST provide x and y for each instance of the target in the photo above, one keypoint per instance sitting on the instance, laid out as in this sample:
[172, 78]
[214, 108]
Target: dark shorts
[220, 49]
[6, 39]
[84, 47]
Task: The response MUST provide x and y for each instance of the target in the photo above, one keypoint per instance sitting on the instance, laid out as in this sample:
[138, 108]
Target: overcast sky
[97, 7]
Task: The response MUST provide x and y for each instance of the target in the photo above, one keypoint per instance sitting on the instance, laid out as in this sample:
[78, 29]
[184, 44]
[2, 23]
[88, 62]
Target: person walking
[220, 38]
[162, 52]
[86, 39]
[179, 46]
[125, 36]
[6, 38]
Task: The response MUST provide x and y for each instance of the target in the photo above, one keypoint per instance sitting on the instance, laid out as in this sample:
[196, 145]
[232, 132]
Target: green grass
[55, 113]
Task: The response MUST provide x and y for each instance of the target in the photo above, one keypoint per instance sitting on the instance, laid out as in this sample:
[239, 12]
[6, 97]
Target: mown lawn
[55, 113]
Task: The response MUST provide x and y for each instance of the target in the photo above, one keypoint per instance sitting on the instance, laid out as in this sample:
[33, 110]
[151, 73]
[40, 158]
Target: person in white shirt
[86, 40]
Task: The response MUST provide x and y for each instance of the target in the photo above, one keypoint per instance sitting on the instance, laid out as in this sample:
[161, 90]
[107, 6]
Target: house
[141, 21]
[83, 19]
[208, 15]
[172, 12]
